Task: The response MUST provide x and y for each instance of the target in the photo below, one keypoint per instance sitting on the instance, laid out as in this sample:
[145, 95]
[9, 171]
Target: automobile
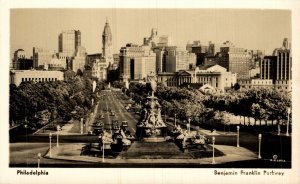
[115, 125]
[112, 113]
[97, 131]
[98, 123]
[124, 124]
[105, 109]
[125, 127]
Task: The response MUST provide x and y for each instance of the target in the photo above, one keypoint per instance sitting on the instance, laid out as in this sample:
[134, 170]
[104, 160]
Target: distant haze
[250, 29]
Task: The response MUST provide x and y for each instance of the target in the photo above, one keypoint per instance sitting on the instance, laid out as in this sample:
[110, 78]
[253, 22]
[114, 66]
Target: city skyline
[267, 27]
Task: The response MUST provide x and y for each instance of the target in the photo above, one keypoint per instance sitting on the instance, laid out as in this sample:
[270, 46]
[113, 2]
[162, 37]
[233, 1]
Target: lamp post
[101, 139]
[50, 136]
[39, 159]
[238, 136]
[288, 121]
[213, 158]
[57, 131]
[189, 125]
[259, 145]
[175, 119]
[81, 126]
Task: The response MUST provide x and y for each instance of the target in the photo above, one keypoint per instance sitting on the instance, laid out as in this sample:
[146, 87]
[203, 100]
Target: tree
[236, 86]
[79, 73]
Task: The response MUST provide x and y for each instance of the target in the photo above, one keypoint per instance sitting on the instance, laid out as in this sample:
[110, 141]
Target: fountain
[151, 127]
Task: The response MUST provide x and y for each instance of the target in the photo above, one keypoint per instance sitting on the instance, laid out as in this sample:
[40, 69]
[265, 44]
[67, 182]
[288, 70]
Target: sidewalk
[71, 152]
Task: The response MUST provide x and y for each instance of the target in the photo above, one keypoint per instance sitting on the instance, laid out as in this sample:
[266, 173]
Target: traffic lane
[104, 104]
[124, 115]
[112, 101]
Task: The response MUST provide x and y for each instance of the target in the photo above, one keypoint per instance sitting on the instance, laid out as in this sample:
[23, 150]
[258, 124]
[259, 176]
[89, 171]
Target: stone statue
[153, 82]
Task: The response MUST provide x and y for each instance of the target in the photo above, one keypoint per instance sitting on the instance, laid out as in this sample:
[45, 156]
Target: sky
[249, 29]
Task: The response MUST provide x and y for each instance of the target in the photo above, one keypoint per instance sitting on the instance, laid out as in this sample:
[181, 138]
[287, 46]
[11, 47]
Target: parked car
[97, 131]
[124, 124]
[115, 125]
[125, 127]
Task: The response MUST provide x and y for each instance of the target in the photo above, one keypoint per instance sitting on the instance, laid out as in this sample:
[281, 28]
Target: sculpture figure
[153, 82]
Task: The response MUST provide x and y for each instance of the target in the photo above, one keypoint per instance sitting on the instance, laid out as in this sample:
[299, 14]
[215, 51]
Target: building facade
[267, 67]
[99, 69]
[19, 76]
[178, 59]
[136, 62]
[234, 59]
[278, 67]
[79, 59]
[41, 56]
[18, 55]
[255, 83]
[68, 42]
[214, 76]
[155, 40]
[283, 65]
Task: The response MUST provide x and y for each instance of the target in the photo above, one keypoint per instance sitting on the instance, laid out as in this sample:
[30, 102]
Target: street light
[189, 125]
[175, 120]
[100, 137]
[259, 145]
[213, 158]
[57, 131]
[288, 121]
[81, 126]
[50, 136]
[238, 136]
[39, 159]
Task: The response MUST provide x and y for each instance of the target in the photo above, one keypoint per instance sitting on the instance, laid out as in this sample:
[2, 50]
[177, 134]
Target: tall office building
[267, 67]
[283, 61]
[178, 59]
[70, 49]
[79, 59]
[41, 57]
[107, 46]
[155, 40]
[18, 54]
[136, 62]
[278, 67]
[234, 59]
[68, 42]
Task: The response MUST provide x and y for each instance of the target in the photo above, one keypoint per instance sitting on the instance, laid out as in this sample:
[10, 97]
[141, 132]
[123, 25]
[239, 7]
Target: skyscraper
[234, 59]
[283, 62]
[136, 62]
[69, 48]
[278, 67]
[68, 42]
[107, 50]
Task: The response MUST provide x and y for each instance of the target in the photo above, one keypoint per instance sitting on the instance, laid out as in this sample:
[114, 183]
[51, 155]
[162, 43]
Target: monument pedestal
[151, 134]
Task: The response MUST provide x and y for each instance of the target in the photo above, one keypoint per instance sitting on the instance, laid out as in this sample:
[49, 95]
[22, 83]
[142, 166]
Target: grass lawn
[26, 152]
